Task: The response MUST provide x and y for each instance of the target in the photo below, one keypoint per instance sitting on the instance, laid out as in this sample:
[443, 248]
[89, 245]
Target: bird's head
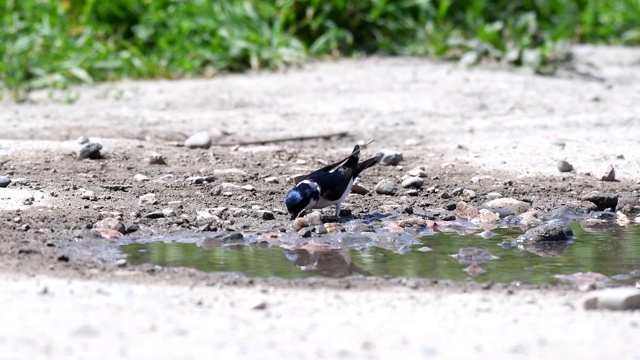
[302, 197]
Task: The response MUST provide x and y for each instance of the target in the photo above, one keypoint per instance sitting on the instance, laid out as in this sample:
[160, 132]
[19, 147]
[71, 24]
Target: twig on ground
[292, 138]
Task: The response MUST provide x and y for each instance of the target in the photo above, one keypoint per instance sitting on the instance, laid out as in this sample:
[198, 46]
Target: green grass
[51, 44]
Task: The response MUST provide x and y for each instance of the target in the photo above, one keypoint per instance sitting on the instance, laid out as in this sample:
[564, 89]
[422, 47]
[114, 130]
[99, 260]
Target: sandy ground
[458, 123]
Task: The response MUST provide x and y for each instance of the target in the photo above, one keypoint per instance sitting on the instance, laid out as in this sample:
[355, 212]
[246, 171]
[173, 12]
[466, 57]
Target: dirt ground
[506, 128]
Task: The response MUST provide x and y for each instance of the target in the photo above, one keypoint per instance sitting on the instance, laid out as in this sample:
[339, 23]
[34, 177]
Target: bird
[327, 186]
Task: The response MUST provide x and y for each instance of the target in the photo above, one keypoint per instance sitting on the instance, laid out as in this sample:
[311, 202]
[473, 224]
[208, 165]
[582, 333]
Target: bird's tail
[366, 164]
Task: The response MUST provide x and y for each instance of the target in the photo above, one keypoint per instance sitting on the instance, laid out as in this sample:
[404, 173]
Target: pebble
[305, 233]
[90, 151]
[419, 172]
[494, 195]
[389, 157]
[315, 218]
[546, 233]
[470, 255]
[320, 230]
[140, 177]
[216, 191]
[271, 180]
[232, 171]
[89, 195]
[22, 181]
[248, 188]
[412, 192]
[169, 212]
[386, 187]
[564, 166]
[4, 181]
[299, 223]
[514, 205]
[200, 179]
[469, 194]
[413, 182]
[110, 223]
[267, 215]
[154, 215]
[488, 217]
[199, 140]
[155, 158]
[359, 189]
[423, 249]
[608, 174]
[466, 211]
[82, 140]
[602, 201]
[147, 199]
[487, 234]
[474, 270]
[623, 298]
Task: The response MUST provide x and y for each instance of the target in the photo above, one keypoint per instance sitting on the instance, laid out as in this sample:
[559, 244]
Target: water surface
[614, 253]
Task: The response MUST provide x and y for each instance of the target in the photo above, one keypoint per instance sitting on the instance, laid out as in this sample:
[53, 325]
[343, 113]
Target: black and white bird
[327, 186]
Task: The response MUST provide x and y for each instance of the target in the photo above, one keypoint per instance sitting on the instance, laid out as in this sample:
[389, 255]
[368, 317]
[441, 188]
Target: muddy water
[614, 252]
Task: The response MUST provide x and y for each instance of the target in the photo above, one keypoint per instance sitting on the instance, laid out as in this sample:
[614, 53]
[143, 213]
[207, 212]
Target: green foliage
[51, 43]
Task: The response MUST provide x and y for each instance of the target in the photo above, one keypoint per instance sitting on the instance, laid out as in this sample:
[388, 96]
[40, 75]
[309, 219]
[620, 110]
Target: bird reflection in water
[327, 263]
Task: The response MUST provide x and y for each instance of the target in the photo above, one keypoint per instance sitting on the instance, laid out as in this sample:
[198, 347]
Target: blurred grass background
[51, 44]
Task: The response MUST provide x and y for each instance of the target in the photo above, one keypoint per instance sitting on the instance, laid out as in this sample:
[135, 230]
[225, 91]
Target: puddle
[614, 252]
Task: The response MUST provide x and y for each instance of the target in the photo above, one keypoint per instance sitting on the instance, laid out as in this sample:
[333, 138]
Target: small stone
[564, 166]
[267, 215]
[4, 181]
[155, 158]
[200, 140]
[487, 234]
[386, 187]
[227, 172]
[271, 180]
[299, 223]
[419, 172]
[248, 188]
[518, 207]
[359, 189]
[24, 227]
[413, 182]
[154, 215]
[300, 162]
[82, 140]
[493, 195]
[88, 195]
[488, 217]
[546, 233]
[474, 269]
[607, 174]
[389, 157]
[315, 218]
[110, 223]
[466, 211]
[168, 212]
[22, 182]
[216, 191]
[121, 262]
[423, 249]
[470, 255]
[412, 192]
[200, 179]
[305, 233]
[623, 298]
[469, 194]
[295, 179]
[147, 199]
[90, 151]
[320, 229]
[445, 195]
[602, 201]
[140, 177]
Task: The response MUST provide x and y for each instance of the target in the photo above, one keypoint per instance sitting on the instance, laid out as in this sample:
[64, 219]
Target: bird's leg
[338, 207]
